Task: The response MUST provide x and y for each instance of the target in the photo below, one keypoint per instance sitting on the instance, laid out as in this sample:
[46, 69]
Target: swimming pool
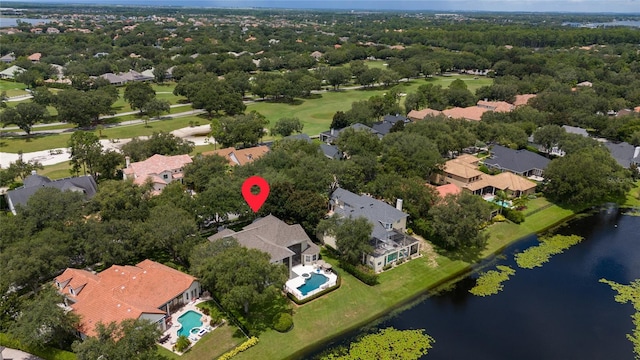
[312, 283]
[189, 320]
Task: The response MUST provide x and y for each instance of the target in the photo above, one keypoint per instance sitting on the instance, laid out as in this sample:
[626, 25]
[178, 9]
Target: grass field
[211, 346]
[13, 88]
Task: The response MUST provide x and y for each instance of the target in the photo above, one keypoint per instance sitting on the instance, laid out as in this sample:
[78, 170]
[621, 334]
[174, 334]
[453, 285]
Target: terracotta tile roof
[241, 156]
[35, 57]
[154, 166]
[473, 113]
[637, 109]
[498, 106]
[121, 292]
[467, 159]
[448, 189]
[421, 114]
[523, 99]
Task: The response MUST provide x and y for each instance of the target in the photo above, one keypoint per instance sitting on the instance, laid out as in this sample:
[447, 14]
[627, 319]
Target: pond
[558, 311]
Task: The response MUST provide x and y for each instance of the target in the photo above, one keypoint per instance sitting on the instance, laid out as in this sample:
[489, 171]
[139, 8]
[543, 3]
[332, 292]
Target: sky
[590, 6]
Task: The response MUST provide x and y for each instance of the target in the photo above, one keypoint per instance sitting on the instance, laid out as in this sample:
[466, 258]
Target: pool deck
[172, 331]
[293, 284]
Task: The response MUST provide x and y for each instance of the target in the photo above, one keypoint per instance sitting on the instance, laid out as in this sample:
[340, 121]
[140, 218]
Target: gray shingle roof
[271, 235]
[377, 212]
[575, 130]
[518, 161]
[303, 137]
[331, 135]
[33, 183]
[330, 151]
[624, 153]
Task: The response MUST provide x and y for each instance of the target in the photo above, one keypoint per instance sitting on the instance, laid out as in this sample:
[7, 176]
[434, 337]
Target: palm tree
[501, 199]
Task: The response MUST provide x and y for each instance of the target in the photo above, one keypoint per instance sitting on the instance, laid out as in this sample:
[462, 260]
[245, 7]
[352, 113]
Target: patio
[304, 272]
[170, 336]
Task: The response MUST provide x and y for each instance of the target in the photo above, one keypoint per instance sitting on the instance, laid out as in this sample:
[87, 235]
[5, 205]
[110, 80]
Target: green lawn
[211, 346]
[13, 88]
[633, 196]
[56, 171]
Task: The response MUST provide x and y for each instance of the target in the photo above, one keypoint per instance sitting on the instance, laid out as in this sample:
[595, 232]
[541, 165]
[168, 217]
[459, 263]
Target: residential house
[585, 84]
[575, 130]
[161, 170]
[520, 162]
[296, 137]
[148, 290]
[417, 115]
[331, 151]
[389, 239]
[11, 72]
[497, 106]
[523, 99]
[52, 30]
[463, 173]
[18, 197]
[624, 153]
[316, 55]
[113, 79]
[330, 136]
[9, 58]
[471, 113]
[447, 189]
[384, 127]
[35, 57]
[240, 156]
[286, 244]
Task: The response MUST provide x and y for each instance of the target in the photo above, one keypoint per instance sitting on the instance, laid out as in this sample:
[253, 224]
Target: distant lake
[629, 23]
[11, 22]
[558, 311]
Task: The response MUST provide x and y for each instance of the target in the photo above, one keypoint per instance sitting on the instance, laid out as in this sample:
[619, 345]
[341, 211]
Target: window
[388, 226]
[165, 176]
[71, 291]
[187, 295]
[315, 257]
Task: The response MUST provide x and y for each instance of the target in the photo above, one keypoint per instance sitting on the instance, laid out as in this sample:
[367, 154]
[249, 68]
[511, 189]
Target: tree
[24, 116]
[216, 96]
[360, 142]
[584, 178]
[138, 94]
[85, 151]
[456, 221]
[81, 107]
[243, 278]
[159, 143]
[549, 136]
[409, 154]
[352, 237]
[295, 206]
[199, 172]
[247, 129]
[42, 322]
[239, 81]
[171, 230]
[155, 107]
[340, 120]
[107, 164]
[160, 73]
[22, 169]
[287, 126]
[337, 77]
[130, 339]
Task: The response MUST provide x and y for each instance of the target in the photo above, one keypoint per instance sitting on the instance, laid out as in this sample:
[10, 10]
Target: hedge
[253, 341]
[366, 277]
[47, 353]
[514, 216]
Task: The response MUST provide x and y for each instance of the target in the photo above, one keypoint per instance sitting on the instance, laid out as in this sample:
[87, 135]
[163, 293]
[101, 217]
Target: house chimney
[399, 204]
[127, 162]
[332, 132]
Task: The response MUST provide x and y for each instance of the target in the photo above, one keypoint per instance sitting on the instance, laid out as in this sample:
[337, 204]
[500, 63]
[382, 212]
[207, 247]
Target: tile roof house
[113, 79]
[11, 72]
[330, 136]
[498, 106]
[160, 169]
[520, 162]
[388, 237]
[523, 99]
[316, 55]
[148, 290]
[34, 182]
[286, 244]
[417, 115]
[240, 156]
[448, 189]
[463, 173]
[624, 153]
[35, 57]
[473, 113]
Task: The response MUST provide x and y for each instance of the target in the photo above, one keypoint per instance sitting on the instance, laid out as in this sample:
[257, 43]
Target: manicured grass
[633, 196]
[56, 171]
[13, 88]
[211, 346]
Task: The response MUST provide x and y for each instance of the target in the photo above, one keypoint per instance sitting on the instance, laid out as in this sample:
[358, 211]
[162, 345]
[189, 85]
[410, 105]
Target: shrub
[362, 273]
[499, 218]
[205, 310]
[243, 347]
[182, 343]
[513, 215]
[283, 323]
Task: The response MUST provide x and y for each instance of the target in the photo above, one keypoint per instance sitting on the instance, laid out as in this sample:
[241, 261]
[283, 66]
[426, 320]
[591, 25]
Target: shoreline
[452, 278]
[460, 269]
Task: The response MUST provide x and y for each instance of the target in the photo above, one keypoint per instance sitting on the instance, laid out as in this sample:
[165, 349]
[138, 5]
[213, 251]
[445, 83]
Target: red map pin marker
[255, 201]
